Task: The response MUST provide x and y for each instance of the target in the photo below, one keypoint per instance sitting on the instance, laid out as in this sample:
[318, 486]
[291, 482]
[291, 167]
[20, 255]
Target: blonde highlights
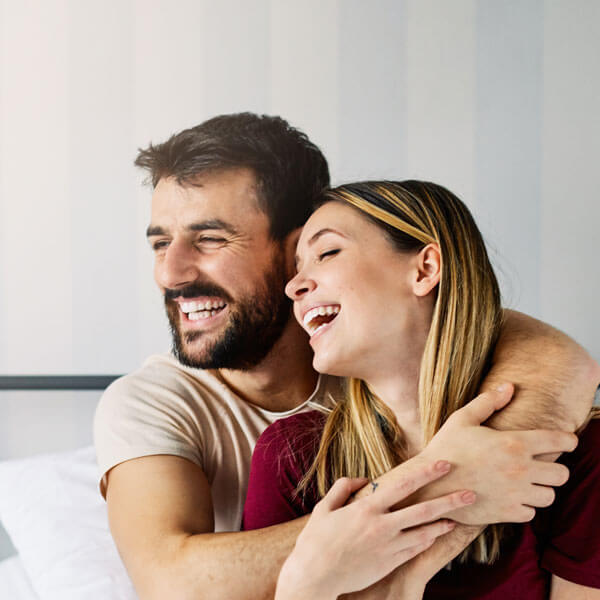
[361, 437]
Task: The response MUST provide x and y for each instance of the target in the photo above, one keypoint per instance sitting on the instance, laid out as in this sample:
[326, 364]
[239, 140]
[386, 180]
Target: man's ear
[289, 247]
[428, 270]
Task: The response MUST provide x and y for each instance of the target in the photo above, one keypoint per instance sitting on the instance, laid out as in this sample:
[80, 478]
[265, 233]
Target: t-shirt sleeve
[282, 455]
[572, 545]
[137, 417]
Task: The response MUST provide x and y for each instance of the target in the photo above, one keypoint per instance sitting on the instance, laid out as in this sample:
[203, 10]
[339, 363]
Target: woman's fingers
[541, 441]
[431, 510]
[389, 493]
[482, 407]
[424, 535]
[340, 492]
[406, 554]
[541, 496]
[545, 473]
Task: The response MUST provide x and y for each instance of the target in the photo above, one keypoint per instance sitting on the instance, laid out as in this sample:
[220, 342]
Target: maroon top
[563, 539]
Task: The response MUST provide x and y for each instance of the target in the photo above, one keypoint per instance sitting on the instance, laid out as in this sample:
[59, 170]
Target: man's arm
[161, 516]
[554, 377]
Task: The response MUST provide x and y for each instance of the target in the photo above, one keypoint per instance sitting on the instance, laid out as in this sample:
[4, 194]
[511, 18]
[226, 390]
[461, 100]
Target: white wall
[497, 100]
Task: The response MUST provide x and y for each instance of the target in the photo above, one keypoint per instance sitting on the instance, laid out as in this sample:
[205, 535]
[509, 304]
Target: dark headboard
[56, 382]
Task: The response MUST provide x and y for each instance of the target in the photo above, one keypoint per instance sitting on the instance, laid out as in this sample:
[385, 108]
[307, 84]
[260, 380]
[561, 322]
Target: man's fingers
[388, 493]
[431, 510]
[482, 407]
[340, 491]
[540, 441]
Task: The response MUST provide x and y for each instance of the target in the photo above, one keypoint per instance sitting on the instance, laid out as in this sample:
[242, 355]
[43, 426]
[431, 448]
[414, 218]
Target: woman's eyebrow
[316, 236]
[322, 232]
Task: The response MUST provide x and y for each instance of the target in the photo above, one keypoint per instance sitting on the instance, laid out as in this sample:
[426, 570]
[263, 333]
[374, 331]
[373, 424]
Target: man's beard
[255, 323]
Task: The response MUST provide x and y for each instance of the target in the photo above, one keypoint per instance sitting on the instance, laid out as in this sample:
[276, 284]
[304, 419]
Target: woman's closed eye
[328, 253]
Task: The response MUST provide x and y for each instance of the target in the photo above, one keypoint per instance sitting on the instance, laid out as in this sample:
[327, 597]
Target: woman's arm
[561, 589]
[347, 547]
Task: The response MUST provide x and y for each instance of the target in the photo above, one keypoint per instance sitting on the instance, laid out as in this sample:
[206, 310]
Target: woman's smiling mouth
[320, 316]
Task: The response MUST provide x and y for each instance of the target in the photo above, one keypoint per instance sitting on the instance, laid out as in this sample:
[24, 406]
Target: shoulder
[304, 426]
[161, 408]
[162, 384]
[587, 454]
[568, 529]
[292, 442]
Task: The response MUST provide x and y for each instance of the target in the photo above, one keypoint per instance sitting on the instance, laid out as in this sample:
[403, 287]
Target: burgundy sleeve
[572, 547]
[282, 455]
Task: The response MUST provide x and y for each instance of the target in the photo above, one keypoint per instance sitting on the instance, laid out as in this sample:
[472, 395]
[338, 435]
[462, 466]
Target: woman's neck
[398, 388]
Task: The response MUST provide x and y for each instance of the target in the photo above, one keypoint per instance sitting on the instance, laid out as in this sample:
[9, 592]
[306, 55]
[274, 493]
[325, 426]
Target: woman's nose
[298, 286]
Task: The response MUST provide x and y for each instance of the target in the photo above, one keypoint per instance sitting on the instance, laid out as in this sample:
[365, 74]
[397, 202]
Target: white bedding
[53, 512]
[14, 582]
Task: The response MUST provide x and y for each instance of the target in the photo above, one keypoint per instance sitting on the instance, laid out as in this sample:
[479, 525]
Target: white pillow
[53, 512]
[14, 582]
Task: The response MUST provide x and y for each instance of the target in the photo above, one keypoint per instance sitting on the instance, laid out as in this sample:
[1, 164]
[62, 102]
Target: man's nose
[298, 286]
[179, 266]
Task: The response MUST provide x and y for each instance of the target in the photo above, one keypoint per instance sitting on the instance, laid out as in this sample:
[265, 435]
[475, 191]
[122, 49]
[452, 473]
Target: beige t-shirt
[167, 408]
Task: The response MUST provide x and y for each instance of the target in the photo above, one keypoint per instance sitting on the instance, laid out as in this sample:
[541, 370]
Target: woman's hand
[504, 468]
[345, 548]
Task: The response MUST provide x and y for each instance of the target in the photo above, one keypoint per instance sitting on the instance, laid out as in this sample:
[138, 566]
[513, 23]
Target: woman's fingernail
[442, 465]
[501, 387]
[468, 497]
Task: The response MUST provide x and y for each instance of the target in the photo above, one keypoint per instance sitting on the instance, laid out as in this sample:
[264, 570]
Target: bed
[55, 542]
[60, 546]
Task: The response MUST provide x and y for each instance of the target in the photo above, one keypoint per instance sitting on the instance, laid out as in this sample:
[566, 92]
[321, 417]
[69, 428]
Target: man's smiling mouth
[320, 316]
[195, 311]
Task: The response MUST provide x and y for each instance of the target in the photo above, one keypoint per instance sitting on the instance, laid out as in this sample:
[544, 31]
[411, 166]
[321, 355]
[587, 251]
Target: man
[174, 438]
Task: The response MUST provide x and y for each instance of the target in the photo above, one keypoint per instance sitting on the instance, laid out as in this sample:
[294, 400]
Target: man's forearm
[242, 565]
[554, 377]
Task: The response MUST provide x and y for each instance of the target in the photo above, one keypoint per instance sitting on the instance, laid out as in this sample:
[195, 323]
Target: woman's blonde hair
[361, 437]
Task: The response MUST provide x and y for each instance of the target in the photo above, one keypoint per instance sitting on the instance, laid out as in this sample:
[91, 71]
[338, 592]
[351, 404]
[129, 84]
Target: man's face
[221, 274]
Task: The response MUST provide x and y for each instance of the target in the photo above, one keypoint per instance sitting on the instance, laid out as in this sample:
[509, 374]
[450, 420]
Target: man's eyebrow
[155, 230]
[212, 224]
[202, 226]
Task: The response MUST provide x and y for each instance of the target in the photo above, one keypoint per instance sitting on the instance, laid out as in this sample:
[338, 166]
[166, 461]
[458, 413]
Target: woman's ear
[428, 269]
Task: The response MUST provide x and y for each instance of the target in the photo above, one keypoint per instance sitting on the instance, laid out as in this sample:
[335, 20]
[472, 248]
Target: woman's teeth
[317, 317]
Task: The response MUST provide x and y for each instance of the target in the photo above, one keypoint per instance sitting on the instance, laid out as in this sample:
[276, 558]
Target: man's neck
[283, 380]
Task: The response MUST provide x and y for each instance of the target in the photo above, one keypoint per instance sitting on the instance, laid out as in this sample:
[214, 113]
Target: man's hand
[344, 548]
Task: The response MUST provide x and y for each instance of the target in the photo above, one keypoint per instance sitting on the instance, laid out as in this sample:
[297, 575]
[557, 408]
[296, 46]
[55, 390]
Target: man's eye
[159, 245]
[211, 240]
[332, 252]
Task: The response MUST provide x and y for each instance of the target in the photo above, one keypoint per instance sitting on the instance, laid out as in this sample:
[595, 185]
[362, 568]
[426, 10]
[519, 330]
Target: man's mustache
[195, 290]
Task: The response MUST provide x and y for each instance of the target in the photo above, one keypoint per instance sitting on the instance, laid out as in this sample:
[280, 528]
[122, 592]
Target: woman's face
[354, 293]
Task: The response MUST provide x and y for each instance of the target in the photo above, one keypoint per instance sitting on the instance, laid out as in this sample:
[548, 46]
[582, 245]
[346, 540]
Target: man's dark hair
[290, 170]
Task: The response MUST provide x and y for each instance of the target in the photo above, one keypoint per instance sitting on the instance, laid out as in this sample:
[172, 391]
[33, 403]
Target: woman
[396, 291]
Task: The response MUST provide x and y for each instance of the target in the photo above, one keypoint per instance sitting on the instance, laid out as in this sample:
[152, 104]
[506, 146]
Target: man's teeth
[203, 314]
[320, 311]
[202, 310]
